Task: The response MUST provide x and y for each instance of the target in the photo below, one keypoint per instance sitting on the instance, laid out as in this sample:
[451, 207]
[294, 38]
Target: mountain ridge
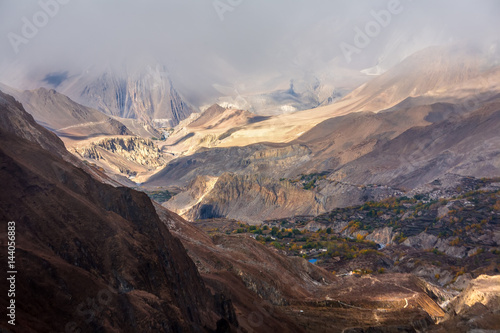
[96, 241]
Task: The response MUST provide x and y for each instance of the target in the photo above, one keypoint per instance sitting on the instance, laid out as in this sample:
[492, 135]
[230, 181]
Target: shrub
[277, 245]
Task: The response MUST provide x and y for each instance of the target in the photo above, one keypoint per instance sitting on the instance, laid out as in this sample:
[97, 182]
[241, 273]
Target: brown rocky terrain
[110, 260]
[253, 196]
[382, 243]
[466, 145]
[396, 158]
[272, 292]
[90, 257]
[476, 308]
[90, 133]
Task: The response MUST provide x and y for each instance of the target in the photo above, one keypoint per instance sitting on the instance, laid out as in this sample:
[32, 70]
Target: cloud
[259, 43]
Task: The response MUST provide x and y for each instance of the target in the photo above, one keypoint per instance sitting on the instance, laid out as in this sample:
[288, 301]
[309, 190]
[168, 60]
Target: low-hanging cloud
[246, 42]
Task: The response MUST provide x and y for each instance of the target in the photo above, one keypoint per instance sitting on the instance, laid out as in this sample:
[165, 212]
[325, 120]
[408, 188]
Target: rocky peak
[146, 94]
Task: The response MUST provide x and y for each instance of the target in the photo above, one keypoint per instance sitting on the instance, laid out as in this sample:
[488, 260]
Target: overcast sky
[231, 42]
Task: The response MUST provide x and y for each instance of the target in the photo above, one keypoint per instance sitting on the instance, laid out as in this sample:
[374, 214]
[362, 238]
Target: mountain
[85, 132]
[251, 198]
[65, 117]
[332, 165]
[461, 75]
[437, 117]
[467, 145]
[107, 260]
[208, 129]
[304, 94]
[439, 71]
[145, 93]
[99, 253]
[17, 122]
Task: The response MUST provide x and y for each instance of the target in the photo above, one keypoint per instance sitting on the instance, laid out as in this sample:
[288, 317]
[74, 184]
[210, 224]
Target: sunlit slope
[437, 74]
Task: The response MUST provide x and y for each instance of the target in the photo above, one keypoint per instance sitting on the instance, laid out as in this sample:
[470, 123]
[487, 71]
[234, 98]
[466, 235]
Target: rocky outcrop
[383, 236]
[134, 149]
[484, 290]
[252, 198]
[425, 241]
[476, 308]
[268, 160]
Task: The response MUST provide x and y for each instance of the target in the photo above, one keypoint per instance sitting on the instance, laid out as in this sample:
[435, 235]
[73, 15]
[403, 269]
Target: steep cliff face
[249, 197]
[146, 94]
[129, 156]
[90, 257]
[273, 161]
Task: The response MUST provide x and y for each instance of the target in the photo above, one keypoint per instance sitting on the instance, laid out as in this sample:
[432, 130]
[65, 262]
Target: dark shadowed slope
[89, 255]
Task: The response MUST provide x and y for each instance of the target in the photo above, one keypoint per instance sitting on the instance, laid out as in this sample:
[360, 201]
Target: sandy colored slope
[466, 145]
[458, 73]
[69, 120]
[231, 132]
[209, 129]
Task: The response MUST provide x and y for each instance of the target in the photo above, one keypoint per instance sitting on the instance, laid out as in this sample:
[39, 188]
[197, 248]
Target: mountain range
[413, 124]
[376, 210]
